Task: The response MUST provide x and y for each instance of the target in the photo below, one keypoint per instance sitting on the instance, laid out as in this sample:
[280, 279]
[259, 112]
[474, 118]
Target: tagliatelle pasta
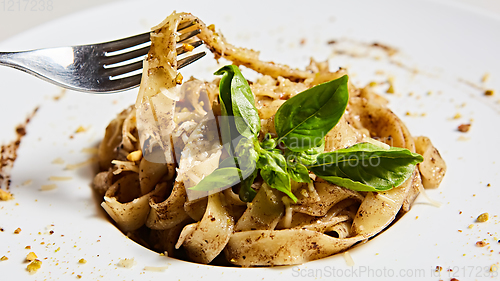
[154, 203]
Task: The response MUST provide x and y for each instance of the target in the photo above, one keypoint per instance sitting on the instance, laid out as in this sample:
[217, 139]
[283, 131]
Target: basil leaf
[273, 168]
[246, 156]
[268, 142]
[230, 162]
[225, 128]
[303, 121]
[238, 100]
[219, 178]
[247, 193]
[366, 167]
[298, 172]
[306, 157]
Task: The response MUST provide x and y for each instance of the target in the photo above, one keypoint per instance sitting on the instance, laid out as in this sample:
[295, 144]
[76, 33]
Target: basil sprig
[238, 101]
[366, 167]
[301, 123]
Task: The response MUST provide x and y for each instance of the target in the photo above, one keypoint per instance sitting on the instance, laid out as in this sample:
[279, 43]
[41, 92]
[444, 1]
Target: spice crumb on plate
[489, 92]
[483, 217]
[464, 128]
[34, 266]
[5, 195]
[31, 256]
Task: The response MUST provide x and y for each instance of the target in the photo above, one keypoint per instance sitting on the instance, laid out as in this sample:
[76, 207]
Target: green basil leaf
[246, 156]
[366, 167]
[298, 172]
[268, 142]
[306, 157]
[230, 162]
[273, 166]
[238, 100]
[247, 193]
[303, 121]
[225, 128]
[220, 178]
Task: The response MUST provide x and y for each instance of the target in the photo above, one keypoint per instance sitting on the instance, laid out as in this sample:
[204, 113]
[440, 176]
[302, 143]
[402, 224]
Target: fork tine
[115, 71]
[189, 60]
[132, 41]
[185, 36]
[134, 81]
[107, 60]
[181, 50]
[125, 83]
[125, 42]
[142, 52]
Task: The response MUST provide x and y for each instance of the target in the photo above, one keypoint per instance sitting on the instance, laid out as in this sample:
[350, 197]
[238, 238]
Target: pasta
[149, 195]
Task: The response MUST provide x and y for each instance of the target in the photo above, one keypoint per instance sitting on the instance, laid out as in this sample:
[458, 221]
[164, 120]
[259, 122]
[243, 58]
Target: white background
[22, 18]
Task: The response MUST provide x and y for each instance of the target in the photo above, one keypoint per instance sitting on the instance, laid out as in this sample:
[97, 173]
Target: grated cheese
[127, 263]
[432, 201]
[348, 259]
[53, 178]
[81, 164]
[156, 268]
[47, 187]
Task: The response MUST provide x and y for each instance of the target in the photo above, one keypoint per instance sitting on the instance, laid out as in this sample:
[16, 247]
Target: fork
[98, 68]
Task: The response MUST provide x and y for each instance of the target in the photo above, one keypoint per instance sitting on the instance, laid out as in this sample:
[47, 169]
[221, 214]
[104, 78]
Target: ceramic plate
[439, 56]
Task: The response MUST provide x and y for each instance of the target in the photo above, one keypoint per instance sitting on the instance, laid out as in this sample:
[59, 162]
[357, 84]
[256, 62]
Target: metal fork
[97, 68]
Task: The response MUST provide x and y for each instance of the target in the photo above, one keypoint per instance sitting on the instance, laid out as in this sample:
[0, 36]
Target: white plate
[451, 48]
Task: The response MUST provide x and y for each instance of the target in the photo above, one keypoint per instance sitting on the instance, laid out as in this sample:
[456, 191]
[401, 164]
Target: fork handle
[39, 63]
[23, 61]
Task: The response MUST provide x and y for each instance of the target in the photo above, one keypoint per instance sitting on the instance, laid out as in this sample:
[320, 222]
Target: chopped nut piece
[481, 243]
[483, 217]
[5, 195]
[27, 247]
[135, 155]
[17, 231]
[82, 261]
[489, 93]
[178, 78]
[438, 268]
[187, 47]
[390, 90]
[34, 266]
[4, 258]
[464, 128]
[31, 256]
[80, 129]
